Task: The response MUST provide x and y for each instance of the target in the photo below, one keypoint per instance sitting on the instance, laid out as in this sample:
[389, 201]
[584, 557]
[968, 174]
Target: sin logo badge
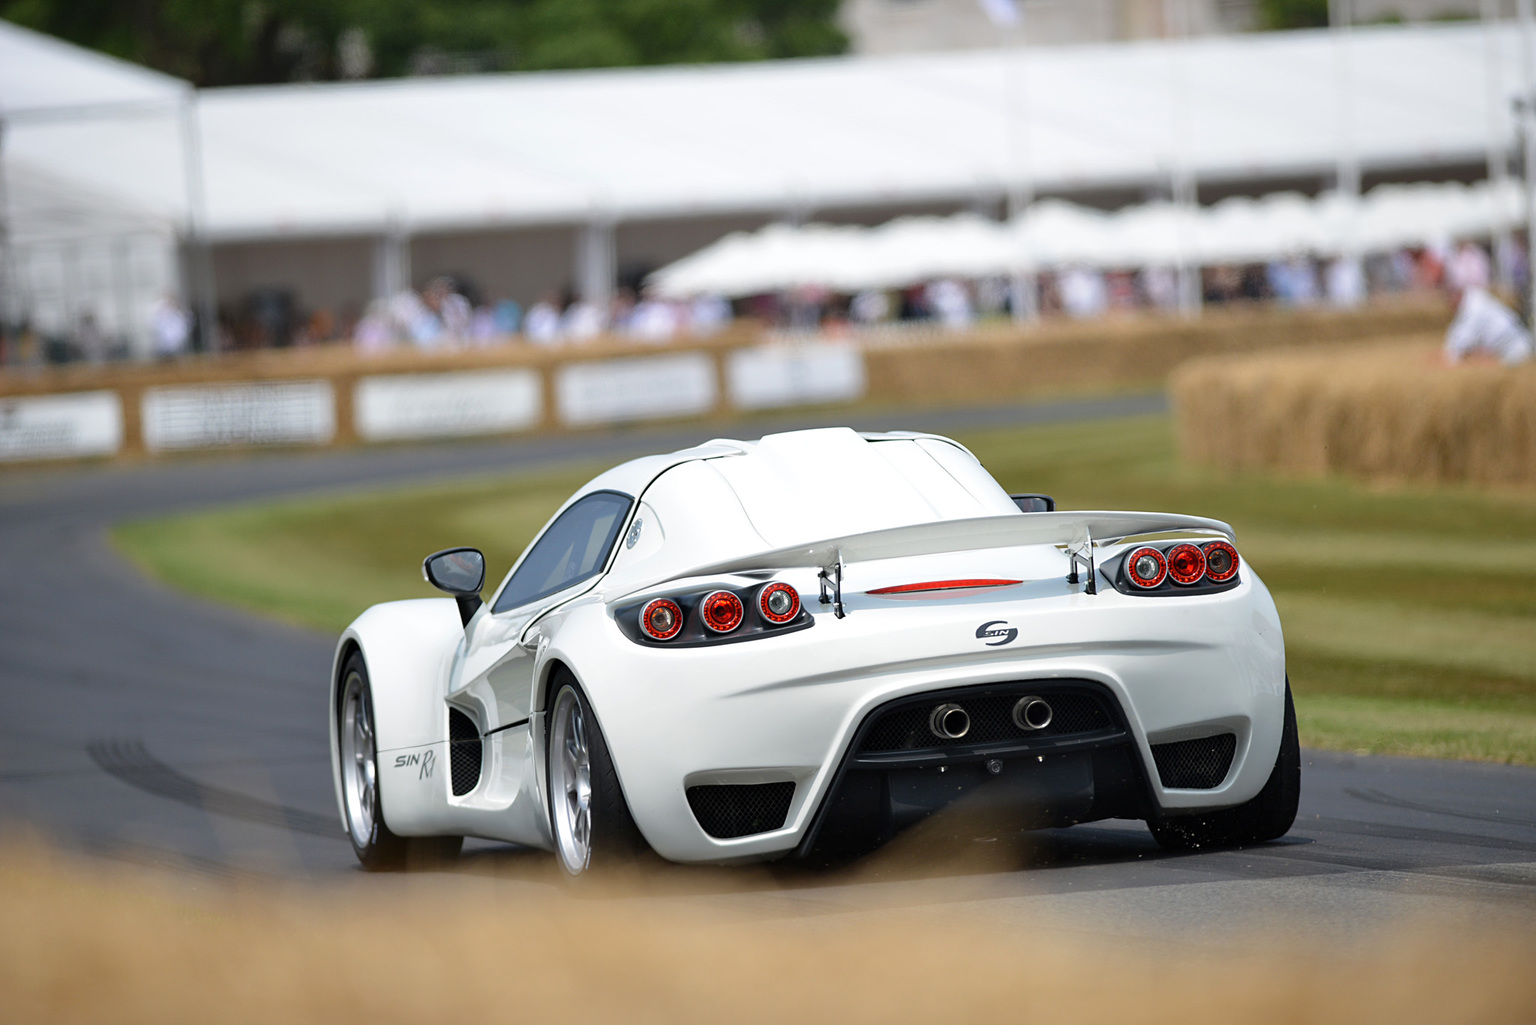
[425, 759]
[1004, 633]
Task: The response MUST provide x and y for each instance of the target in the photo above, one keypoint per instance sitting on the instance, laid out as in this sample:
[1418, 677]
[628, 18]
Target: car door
[495, 676]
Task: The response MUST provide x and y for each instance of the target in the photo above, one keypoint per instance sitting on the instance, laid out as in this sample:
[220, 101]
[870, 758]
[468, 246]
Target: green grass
[1409, 615]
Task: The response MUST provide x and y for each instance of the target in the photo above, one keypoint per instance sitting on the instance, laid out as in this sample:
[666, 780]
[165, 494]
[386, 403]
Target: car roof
[634, 476]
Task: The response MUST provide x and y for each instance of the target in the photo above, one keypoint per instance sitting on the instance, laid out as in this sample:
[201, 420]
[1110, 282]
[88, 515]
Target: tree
[236, 42]
[1280, 14]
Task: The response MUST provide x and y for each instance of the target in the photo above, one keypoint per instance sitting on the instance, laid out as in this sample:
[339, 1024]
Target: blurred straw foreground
[1383, 412]
[84, 942]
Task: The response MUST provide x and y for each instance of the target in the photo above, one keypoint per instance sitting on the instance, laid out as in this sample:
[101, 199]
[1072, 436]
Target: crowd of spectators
[1083, 293]
[444, 316]
[449, 313]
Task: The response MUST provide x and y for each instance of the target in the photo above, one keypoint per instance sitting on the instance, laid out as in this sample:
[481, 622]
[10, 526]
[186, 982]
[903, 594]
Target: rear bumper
[791, 709]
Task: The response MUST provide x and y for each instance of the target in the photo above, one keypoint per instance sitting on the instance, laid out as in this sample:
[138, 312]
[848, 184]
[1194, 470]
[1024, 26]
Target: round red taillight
[722, 611]
[1146, 567]
[661, 619]
[778, 602]
[1220, 561]
[1186, 564]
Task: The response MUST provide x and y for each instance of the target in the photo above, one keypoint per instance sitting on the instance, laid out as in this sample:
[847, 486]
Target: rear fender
[408, 647]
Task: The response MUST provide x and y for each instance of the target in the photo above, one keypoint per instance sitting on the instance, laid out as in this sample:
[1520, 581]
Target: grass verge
[1410, 613]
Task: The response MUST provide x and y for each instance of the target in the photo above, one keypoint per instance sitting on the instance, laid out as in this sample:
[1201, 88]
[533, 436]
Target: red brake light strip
[942, 585]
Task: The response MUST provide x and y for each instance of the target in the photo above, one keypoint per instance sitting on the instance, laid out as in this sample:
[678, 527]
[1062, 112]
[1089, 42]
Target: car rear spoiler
[1079, 532]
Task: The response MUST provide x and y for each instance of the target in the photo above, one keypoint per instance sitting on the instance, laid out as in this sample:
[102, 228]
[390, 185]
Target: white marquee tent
[572, 147]
[1055, 234]
[79, 240]
[588, 150]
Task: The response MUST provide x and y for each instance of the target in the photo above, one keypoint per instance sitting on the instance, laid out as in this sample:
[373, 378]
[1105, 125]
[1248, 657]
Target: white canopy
[562, 147]
[41, 76]
[1057, 234]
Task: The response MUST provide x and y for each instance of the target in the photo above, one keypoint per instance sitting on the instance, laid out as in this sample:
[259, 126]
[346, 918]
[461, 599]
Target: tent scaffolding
[48, 86]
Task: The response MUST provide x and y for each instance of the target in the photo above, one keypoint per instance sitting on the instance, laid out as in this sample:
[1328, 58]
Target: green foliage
[233, 42]
[1282, 14]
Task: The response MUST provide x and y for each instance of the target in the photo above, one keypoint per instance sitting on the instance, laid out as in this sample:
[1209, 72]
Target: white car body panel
[891, 509]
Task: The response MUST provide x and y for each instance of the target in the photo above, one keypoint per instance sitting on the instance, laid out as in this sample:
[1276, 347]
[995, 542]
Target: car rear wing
[1078, 532]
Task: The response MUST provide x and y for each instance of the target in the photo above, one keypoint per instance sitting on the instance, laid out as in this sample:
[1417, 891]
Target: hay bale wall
[1382, 412]
[1003, 362]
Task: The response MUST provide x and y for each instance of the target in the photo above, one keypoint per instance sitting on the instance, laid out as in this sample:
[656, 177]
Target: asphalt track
[139, 723]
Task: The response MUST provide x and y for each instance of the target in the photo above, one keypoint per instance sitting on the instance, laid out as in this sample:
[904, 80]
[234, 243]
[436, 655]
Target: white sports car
[804, 644]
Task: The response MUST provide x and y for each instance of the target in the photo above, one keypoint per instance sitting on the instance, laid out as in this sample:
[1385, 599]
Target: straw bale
[1379, 412]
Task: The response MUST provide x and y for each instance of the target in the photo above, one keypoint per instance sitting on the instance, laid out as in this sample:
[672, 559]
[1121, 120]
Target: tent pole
[1498, 146]
[1528, 130]
[1347, 180]
[1023, 287]
[1185, 186]
[200, 286]
[7, 276]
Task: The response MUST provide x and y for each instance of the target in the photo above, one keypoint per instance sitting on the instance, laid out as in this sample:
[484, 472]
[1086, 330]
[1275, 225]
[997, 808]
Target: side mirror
[1034, 503]
[460, 572]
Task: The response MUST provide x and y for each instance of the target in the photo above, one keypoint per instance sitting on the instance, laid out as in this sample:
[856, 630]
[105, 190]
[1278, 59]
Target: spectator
[1082, 292]
[708, 315]
[870, 306]
[951, 303]
[1485, 327]
[1468, 267]
[170, 326]
[1293, 281]
[583, 321]
[415, 319]
[1161, 286]
[654, 320]
[509, 317]
[621, 311]
[453, 310]
[542, 325]
[375, 329]
[1345, 283]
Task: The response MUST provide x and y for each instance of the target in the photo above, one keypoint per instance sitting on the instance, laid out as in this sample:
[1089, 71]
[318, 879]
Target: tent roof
[41, 76]
[474, 152]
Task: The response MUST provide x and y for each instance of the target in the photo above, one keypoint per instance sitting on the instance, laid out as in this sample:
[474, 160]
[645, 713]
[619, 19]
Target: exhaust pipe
[951, 722]
[1032, 713]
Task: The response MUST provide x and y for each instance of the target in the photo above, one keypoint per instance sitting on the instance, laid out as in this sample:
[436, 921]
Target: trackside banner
[212, 416]
[399, 406]
[638, 388]
[61, 426]
[770, 376]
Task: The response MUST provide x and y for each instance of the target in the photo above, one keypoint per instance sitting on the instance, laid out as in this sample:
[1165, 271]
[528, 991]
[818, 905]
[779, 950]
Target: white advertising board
[768, 376]
[213, 415]
[60, 426]
[636, 388]
[397, 406]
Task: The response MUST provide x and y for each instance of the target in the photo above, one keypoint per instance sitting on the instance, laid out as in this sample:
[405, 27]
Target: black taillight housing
[713, 615]
[1175, 568]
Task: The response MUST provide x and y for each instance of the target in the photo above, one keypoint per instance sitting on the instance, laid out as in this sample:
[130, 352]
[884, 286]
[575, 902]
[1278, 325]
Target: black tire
[1268, 816]
[378, 849]
[611, 836]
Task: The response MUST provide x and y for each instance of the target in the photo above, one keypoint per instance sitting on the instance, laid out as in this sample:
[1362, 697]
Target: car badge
[1004, 633]
[634, 533]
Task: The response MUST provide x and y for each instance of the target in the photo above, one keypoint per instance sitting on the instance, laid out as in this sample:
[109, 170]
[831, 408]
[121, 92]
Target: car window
[573, 549]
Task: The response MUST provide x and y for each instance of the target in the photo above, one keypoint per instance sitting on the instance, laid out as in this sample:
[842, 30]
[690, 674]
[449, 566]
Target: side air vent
[732, 810]
[464, 755]
[1195, 764]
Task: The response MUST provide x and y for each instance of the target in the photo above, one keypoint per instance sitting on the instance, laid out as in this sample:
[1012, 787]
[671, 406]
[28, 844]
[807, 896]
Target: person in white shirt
[1469, 267]
[1484, 326]
[542, 324]
[583, 321]
[171, 327]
